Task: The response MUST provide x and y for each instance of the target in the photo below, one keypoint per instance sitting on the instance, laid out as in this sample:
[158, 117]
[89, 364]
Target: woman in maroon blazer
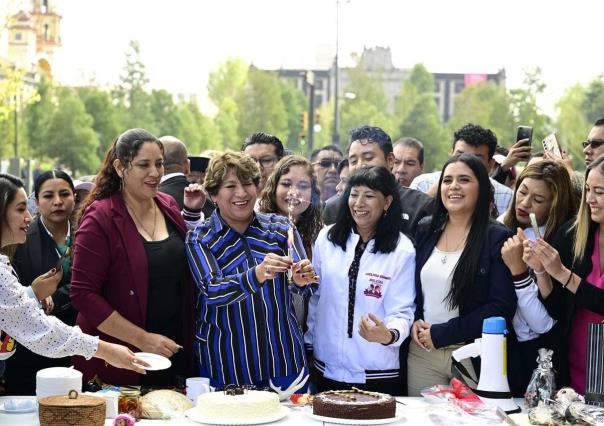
[130, 279]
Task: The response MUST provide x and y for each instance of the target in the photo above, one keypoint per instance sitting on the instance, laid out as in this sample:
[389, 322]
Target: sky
[182, 41]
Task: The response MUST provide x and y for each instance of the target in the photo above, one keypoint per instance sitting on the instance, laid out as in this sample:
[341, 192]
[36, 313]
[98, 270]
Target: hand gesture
[520, 151]
[548, 257]
[158, 344]
[373, 329]
[48, 305]
[46, 284]
[424, 337]
[120, 356]
[194, 197]
[512, 252]
[271, 266]
[418, 327]
[303, 273]
[566, 160]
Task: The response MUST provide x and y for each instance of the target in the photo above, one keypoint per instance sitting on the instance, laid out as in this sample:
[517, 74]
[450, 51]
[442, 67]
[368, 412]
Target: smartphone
[59, 264]
[551, 145]
[524, 132]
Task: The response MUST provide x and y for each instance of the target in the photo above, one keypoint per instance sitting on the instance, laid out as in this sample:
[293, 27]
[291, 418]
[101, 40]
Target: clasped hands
[420, 333]
[303, 272]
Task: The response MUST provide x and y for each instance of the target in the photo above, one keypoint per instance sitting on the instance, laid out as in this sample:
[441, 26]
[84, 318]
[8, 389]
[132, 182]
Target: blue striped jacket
[247, 330]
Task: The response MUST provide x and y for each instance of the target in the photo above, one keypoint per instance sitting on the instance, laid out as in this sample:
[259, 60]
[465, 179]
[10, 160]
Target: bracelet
[539, 272]
[568, 280]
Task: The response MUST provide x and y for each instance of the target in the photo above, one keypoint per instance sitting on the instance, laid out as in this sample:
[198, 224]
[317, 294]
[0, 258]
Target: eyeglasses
[594, 144]
[265, 162]
[326, 163]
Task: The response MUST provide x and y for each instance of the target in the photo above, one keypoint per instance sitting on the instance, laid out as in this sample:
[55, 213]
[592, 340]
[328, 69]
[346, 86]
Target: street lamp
[335, 138]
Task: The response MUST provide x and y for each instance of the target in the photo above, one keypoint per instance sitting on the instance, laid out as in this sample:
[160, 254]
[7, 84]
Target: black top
[167, 265]
[175, 186]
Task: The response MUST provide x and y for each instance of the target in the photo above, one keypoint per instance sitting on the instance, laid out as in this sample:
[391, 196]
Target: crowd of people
[263, 267]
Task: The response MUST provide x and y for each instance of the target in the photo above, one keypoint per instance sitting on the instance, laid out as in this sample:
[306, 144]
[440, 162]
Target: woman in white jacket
[21, 317]
[544, 189]
[364, 307]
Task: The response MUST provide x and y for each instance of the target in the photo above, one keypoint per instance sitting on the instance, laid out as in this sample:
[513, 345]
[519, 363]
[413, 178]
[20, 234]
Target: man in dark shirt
[371, 146]
[176, 169]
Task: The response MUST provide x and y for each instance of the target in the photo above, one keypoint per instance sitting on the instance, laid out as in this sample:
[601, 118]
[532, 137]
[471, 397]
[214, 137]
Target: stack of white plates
[57, 381]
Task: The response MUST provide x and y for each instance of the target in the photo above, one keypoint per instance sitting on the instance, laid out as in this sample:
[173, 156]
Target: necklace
[140, 223]
[443, 259]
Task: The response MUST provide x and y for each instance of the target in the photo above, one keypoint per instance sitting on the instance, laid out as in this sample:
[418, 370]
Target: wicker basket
[72, 410]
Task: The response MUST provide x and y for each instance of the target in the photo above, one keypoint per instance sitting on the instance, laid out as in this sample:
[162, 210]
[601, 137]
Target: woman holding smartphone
[48, 239]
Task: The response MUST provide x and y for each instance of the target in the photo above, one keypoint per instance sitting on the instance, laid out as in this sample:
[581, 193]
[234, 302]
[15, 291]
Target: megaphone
[493, 388]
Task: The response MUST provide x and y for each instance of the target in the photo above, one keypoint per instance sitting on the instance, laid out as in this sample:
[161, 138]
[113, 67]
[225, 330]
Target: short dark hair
[599, 122]
[9, 185]
[343, 164]
[175, 154]
[315, 153]
[412, 143]
[266, 138]
[379, 179]
[51, 174]
[373, 135]
[475, 135]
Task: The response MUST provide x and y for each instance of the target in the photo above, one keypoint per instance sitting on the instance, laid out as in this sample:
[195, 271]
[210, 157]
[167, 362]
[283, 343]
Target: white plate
[19, 411]
[196, 416]
[337, 420]
[156, 362]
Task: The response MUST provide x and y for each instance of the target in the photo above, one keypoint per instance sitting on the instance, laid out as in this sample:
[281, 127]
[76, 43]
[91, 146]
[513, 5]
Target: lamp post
[335, 138]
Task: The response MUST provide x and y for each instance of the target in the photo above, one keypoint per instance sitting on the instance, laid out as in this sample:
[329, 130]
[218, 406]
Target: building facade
[377, 62]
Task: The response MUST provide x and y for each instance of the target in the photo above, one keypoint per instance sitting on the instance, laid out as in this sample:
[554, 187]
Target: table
[414, 412]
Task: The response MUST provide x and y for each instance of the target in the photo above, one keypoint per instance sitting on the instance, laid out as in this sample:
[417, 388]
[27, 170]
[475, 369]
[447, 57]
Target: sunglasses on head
[594, 144]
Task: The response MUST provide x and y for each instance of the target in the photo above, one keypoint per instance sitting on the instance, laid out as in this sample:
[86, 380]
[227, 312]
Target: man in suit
[371, 146]
[176, 169]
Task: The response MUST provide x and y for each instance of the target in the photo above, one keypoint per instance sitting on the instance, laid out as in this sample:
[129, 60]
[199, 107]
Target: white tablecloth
[413, 411]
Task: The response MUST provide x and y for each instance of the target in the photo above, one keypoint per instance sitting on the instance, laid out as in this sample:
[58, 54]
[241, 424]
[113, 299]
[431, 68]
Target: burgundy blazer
[109, 273]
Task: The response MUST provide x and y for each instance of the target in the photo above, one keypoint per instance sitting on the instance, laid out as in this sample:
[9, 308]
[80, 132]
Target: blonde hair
[221, 164]
[583, 222]
[557, 179]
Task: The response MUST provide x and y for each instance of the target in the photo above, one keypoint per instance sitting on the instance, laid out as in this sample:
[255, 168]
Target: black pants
[390, 386]
[522, 362]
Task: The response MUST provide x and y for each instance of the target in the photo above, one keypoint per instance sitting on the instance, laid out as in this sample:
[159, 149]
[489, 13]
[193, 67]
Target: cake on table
[354, 404]
[243, 405]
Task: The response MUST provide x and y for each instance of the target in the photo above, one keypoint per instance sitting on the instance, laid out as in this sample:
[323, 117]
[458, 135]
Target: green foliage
[165, 113]
[105, 123]
[38, 116]
[370, 105]
[523, 105]
[197, 131]
[295, 104]
[488, 105]
[417, 115]
[70, 137]
[261, 106]
[593, 104]
[227, 81]
[571, 123]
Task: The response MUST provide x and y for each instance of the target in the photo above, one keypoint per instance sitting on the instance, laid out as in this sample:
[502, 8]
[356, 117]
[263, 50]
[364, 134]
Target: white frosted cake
[250, 405]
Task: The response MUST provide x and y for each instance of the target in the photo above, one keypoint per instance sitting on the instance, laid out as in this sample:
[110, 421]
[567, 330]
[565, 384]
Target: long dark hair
[386, 234]
[124, 148]
[309, 223]
[9, 185]
[464, 275]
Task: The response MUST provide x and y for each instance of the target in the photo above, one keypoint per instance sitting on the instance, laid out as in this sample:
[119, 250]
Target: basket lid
[72, 400]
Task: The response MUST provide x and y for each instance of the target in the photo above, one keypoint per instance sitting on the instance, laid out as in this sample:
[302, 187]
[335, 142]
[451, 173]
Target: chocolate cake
[354, 404]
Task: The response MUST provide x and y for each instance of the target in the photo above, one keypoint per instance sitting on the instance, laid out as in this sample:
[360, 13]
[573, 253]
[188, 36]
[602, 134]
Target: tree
[133, 101]
[488, 105]
[593, 104]
[197, 130]
[227, 122]
[369, 106]
[523, 104]
[38, 116]
[227, 81]
[295, 104]
[105, 121]
[261, 106]
[165, 113]
[417, 115]
[70, 136]
[571, 122]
